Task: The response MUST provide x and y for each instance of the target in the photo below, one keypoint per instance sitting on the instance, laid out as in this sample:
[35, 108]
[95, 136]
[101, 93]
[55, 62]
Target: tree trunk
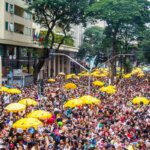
[113, 63]
[41, 61]
[37, 69]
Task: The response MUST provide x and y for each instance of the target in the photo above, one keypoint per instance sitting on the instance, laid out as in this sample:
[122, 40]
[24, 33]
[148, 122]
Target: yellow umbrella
[51, 80]
[95, 74]
[28, 102]
[69, 76]
[26, 123]
[3, 89]
[98, 83]
[88, 99]
[15, 107]
[84, 74]
[109, 89]
[138, 100]
[62, 73]
[126, 76]
[140, 75]
[73, 103]
[13, 91]
[70, 86]
[137, 71]
[103, 75]
[39, 114]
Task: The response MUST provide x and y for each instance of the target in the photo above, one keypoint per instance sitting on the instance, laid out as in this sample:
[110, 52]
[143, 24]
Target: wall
[2, 25]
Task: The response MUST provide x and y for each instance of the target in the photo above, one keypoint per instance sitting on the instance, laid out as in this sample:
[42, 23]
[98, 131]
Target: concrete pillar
[58, 62]
[54, 67]
[63, 69]
[49, 68]
[68, 66]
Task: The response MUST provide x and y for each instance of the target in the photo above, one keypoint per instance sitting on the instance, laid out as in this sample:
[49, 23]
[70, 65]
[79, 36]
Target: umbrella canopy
[51, 80]
[70, 86]
[15, 107]
[98, 83]
[3, 89]
[13, 91]
[108, 89]
[137, 71]
[83, 74]
[88, 99]
[102, 75]
[39, 114]
[140, 74]
[73, 103]
[28, 102]
[62, 73]
[26, 123]
[95, 74]
[70, 76]
[126, 76]
[139, 100]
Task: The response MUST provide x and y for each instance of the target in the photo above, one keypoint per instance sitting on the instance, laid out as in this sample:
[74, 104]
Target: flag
[35, 37]
[40, 38]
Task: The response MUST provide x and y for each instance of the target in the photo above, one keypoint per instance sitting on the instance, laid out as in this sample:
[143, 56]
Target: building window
[27, 15]
[6, 26]
[11, 27]
[24, 52]
[11, 8]
[7, 7]
[27, 31]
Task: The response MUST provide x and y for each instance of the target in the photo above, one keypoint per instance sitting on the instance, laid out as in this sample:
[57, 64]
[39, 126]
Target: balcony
[18, 11]
[18, 28]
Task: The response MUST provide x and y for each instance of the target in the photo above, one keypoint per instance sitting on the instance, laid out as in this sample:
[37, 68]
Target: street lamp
[88, 70]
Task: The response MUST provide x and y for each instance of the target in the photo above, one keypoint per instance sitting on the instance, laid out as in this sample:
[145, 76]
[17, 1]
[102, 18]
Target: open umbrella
[73, 103]
[98, 83]
[62, 73]
[28, 102]
[70, 76]
[69, 86]
[126, 76]
[15, 107]
[108, 89]
[88, 99]
[51, 80]
[139, 100]
[3, 89]
[13, 91]
[26, 123]
[39, 114]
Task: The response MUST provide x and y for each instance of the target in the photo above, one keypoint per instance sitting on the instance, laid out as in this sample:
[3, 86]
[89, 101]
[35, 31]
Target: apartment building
[17, 28]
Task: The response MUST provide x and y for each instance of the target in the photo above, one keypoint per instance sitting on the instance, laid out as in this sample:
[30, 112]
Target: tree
[144, 47]
[92, 42]
[56, 13]
[120, 14]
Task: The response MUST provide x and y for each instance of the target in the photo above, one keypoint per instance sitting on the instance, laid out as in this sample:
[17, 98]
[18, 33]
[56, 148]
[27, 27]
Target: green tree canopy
[123, 18]
[92, 42]
[56, 13]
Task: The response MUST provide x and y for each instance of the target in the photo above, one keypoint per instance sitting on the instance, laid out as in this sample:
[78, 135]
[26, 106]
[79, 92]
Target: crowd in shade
[115, 123]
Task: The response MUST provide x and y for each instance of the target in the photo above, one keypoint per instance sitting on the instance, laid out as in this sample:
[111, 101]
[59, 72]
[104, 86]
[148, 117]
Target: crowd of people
[113, 124]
